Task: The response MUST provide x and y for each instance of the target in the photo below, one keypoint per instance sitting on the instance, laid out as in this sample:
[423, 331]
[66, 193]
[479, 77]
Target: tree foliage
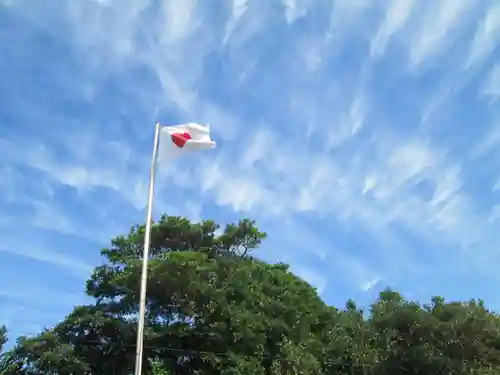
[3, 337]
[213, 308]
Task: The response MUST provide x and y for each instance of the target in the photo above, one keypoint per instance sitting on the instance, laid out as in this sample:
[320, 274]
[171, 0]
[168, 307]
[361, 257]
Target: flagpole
[145, 256]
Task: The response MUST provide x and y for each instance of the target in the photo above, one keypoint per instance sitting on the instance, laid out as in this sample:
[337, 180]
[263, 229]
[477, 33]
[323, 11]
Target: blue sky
[363, 136]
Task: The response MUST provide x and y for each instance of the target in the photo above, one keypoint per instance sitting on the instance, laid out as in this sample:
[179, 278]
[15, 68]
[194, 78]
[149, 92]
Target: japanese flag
[185, 138]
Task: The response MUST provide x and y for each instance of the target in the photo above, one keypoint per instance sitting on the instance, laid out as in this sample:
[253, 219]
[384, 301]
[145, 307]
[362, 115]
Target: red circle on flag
[180, 139]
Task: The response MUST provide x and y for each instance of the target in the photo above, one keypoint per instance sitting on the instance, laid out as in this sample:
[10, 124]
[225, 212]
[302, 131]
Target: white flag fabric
[180, 139]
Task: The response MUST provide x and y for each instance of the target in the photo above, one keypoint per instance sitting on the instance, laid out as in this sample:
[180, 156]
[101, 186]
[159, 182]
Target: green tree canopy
[3, 337]
[213, 308]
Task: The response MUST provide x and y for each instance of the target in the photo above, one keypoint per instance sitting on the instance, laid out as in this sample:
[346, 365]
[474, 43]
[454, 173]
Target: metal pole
[147, 243]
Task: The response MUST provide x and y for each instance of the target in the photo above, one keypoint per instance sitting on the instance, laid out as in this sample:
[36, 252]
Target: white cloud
[88, 162]
[311, 131]
[38, 251]
[295, 9]
[238, 9]
[395, 18]
[438, 23]
[486, 37]
[491, 87]
[355, 271]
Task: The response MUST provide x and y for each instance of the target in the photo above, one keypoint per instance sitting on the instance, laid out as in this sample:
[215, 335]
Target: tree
[3, 337]
[212, 308]
[445, 338]
[3, 341]
[158, 369]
